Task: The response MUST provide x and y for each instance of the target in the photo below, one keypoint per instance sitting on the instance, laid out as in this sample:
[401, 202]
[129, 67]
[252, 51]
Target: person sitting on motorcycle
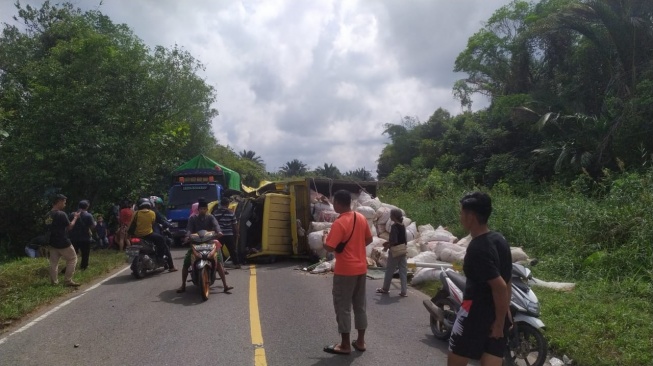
[145, 218]
[161, 222]
[196, 223]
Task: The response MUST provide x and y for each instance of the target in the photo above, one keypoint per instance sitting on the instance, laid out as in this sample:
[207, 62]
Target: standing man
[229, 225]
[80, 235]
[484, 317]
[57, 224]
[348, 237]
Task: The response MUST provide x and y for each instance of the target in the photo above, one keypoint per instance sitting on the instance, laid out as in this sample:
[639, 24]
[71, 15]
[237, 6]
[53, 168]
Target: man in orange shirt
[348, 237]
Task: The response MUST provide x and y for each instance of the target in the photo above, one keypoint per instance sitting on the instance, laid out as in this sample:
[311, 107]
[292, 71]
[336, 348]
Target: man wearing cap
[196, 223]
[58, 225]
[80, 234]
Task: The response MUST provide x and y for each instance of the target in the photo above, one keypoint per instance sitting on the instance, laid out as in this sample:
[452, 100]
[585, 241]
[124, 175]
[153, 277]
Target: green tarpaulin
[204, 162]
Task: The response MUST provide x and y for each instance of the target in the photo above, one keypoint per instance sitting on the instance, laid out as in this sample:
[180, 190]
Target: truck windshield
[187, 194]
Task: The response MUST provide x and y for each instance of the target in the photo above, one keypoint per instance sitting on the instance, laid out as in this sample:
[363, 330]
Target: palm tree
[328, 171]
[360, 174]
[251, 155]
[293, 168]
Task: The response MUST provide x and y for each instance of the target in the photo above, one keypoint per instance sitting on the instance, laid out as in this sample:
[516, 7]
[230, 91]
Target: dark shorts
[470, 336]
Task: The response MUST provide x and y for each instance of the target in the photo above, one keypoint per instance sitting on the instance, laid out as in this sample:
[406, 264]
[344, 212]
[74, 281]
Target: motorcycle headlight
[534, 308]
[203, 247]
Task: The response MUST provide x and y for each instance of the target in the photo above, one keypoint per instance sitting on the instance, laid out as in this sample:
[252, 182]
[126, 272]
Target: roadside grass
[25, 283]
[603, 245]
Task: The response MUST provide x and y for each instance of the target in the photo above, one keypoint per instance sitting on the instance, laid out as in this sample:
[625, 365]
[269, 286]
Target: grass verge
[25, 283]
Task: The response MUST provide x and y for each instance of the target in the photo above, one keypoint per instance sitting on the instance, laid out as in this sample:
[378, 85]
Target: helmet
[144, 203]
[156, 200]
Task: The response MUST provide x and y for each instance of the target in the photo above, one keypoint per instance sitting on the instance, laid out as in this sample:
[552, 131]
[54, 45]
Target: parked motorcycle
[202, 271]
[142, 256]
[526, 343]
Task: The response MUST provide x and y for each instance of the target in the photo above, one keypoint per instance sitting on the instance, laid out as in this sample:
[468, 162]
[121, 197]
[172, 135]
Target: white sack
[464, 242]
[380, 229]
[385, 236]
[426, 227]
[412, 248]
[518, 254]
[382, 215]
[425, 275]
[322, 267]
[391, 207]
[449, 255]
[376, 243]
[319, 226]
[371, 262]
[315, 243]
[374, 203]
[363, 197]
[412, 228]
[383, 259]
[444, 235]
[366, 211]
[424, 257]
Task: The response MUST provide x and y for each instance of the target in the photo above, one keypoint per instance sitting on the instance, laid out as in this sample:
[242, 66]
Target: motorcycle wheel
[138, 270]
[442, 330]
[205, 279]
[529, 349]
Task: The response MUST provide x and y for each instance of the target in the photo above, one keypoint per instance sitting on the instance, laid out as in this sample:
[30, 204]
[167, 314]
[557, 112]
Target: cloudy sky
[313, 80]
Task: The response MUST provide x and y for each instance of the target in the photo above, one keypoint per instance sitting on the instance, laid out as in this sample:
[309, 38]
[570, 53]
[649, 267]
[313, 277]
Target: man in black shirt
[484, 318]
[80, 235]
[58, 225]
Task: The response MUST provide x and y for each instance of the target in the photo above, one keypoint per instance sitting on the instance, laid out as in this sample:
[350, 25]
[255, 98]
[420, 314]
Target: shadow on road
[329, 360]
[191, 297]
[127, 277]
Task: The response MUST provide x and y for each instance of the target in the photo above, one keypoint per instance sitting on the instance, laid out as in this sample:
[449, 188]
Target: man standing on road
[348, 237]
[484, 317]
[58, 225]
[229, 225]
[80, 234]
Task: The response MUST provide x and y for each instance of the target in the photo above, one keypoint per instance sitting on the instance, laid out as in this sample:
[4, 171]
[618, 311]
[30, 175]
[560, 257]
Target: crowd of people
[68, 235]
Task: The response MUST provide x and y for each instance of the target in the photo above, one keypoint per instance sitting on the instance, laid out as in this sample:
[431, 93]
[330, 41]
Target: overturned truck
[276, 217]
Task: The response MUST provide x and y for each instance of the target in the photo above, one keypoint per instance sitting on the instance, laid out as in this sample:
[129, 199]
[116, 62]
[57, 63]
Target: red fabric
[126, 215]
[353, 260]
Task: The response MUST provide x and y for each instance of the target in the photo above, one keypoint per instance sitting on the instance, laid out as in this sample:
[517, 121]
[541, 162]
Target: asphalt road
[124, 321]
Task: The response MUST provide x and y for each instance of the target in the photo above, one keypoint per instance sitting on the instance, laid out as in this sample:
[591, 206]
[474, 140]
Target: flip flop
[332, 349]
[381, 291]
[228, 288]
[403, 295]
[180, 290]
[355, 345]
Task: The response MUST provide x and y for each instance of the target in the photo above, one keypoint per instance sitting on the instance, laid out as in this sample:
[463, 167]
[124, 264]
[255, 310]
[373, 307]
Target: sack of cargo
[443, 234]
[424, 257]
[382, 215]
[316, 244]
[373, 203]
[423, 228]
[518, 254]
[319, 226]
[464, 242]
[425, 275]
[366, 211]
[451, 256]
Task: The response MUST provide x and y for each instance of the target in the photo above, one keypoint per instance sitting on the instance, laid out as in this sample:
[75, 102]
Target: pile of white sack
[426, 244]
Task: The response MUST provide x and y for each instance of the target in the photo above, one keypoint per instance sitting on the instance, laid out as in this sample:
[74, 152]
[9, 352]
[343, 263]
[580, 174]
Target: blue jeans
[390, 271]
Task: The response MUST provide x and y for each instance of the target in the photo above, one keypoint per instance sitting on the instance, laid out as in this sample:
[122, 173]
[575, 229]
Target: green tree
[90, 111]
[360, 174]
[251, 155]
[328, 171]
[293, 168]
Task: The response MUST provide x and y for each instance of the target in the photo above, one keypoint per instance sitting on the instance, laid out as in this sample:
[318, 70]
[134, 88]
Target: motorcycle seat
[459, 280]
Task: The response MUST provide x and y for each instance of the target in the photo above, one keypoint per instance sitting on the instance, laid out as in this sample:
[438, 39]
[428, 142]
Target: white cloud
[312, 80]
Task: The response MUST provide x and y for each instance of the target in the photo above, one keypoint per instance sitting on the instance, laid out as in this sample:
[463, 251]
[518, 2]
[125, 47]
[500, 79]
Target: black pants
[230, 242]
[161, 247]
[85, 248]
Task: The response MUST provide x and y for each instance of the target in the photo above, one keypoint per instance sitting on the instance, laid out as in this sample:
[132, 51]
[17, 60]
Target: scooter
[204, 250]
[142, 256]
[526, 343]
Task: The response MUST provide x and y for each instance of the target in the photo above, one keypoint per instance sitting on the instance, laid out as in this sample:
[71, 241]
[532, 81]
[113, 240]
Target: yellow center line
[255, 321]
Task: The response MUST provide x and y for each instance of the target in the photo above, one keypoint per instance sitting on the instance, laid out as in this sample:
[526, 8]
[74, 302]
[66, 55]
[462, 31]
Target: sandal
[355, 345]
[382, 291]
[181, 289]
[228, 288]
[333, 350]
[403, 295]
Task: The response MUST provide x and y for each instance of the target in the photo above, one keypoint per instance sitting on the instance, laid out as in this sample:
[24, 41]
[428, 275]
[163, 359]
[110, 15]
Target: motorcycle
[142, 256]
[526, 343]
[204, 250]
